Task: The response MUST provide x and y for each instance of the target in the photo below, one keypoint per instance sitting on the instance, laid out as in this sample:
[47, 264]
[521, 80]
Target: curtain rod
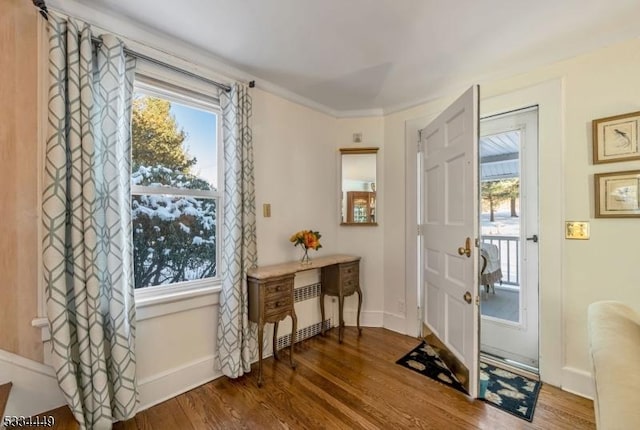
[42, 8]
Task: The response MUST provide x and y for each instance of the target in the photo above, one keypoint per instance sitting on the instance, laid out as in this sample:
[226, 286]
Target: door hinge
[419, 230]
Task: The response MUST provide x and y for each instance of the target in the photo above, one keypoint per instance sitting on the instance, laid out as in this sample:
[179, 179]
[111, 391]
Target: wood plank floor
[356, 385]
[5, 389]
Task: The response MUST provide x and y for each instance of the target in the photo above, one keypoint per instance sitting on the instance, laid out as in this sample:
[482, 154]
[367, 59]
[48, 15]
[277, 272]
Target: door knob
[467, 297]
[466, 249]
[533, 238]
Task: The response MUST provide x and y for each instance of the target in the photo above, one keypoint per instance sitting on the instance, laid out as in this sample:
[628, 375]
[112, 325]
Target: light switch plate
[266, 210]
[577, 230]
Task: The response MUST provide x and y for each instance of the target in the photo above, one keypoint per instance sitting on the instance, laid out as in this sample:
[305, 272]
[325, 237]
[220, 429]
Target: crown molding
[360, 113]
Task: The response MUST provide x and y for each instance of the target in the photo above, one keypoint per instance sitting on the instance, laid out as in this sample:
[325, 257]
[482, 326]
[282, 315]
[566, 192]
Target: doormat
[509, 391]
[424, 359]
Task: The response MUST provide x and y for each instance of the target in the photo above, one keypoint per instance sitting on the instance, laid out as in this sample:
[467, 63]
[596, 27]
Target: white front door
[450, 227]
[509, 153]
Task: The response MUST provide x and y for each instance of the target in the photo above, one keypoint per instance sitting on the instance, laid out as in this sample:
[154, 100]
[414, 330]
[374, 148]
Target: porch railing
[509, 247]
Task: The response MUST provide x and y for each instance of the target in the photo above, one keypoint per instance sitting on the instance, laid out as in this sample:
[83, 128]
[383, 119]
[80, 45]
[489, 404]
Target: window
[175, 187]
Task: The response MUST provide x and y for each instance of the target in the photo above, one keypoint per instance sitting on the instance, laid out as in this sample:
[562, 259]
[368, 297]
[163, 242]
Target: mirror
[358, 166]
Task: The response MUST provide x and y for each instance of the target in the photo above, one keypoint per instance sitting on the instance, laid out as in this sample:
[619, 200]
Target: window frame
[164, 83]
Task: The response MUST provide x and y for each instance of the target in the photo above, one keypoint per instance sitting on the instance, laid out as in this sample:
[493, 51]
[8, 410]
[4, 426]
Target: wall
[295, 171]
[595, 85]
[18, 179]
[360, 240]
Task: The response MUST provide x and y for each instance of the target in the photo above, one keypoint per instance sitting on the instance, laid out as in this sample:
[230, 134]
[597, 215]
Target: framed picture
[615, 138]
[617, 194]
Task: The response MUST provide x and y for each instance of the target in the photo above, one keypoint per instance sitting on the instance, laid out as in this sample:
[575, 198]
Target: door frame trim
[548, 95]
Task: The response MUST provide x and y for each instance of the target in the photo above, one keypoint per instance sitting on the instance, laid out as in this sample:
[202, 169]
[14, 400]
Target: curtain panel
[87, 249]
[237, 345]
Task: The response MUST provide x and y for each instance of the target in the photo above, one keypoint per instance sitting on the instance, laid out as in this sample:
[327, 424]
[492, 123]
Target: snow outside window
[175, 191]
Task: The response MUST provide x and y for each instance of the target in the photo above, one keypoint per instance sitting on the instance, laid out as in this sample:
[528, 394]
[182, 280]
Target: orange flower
[308, 238]
[310, 241]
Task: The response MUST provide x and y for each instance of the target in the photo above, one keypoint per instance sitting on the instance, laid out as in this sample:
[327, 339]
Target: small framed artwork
[615, 138]
[617, 194]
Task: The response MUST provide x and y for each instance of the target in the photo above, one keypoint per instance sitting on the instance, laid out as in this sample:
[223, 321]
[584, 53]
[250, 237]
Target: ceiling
[355, 55]
[500, 156]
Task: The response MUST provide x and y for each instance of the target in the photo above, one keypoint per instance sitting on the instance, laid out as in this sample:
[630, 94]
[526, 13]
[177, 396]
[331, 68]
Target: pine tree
[495, 192]
[174, 237]
[156, 137]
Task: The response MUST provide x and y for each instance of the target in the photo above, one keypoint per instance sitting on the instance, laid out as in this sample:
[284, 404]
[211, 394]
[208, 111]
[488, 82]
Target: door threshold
[510, 365]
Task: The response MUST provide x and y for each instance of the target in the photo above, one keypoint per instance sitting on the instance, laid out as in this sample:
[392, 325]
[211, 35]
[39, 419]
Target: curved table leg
[340, 310]
[260, 335]
[275, 341]
[322, 312]
[294, 321]
[359, 307]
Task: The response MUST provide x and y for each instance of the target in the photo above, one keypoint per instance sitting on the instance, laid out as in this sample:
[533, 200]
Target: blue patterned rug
[424, 359]
[510, 392]
[505, 390]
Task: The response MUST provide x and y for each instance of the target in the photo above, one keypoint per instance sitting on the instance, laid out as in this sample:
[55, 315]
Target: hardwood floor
[356, 385]
[5, 389]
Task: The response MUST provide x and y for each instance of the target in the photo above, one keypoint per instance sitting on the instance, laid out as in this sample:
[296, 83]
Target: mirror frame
[358, 151]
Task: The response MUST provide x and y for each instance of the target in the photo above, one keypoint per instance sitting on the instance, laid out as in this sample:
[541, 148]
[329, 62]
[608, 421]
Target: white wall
[295, 171]
[595, 85]
[176, 351]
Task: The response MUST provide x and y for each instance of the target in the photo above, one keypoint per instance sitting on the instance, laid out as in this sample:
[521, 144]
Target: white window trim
[152, 79]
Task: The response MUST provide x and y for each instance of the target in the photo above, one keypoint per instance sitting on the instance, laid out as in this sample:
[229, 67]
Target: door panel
[434, 318]
[433, 192]
[455, 191]
[450, 208]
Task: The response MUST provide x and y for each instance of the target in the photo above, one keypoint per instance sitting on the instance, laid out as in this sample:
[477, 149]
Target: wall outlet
[401, 306]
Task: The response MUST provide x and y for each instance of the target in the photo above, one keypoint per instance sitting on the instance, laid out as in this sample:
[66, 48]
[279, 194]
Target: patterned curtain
[87, 249]
[236, 338]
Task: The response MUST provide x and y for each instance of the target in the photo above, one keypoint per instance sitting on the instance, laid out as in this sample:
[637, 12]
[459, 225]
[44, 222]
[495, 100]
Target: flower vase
[305, 258]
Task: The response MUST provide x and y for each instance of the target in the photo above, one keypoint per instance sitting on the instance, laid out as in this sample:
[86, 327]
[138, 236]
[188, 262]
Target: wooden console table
[271, 294]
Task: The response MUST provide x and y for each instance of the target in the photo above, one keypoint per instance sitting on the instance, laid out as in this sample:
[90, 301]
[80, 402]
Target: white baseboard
[395, 322]
[172, 382]
[35, 387]
[367, 318]
[578, 382]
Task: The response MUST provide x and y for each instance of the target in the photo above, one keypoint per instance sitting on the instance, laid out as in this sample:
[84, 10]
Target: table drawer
[277, 304]
[278, 288]
[350, 269]
[349, 286]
